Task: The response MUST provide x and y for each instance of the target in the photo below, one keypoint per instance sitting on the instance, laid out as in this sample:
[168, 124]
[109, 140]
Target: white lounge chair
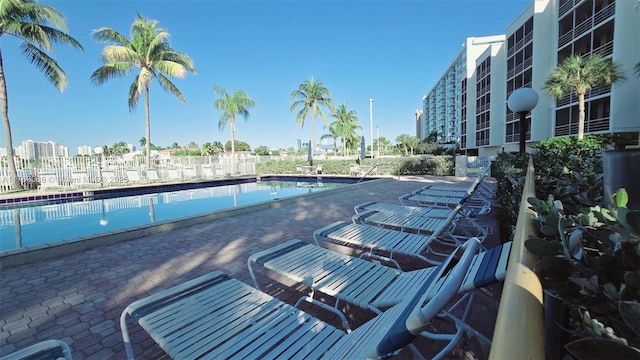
[189, 172]
[44, 350]
[133, 176]
[431, 211]
[375, 241]
[80, 179]
[151, 175]
[374, 286]
[354, 169]
[173, 174]
[207, 172]
[217, 317]
[48, 180]
[453, 230]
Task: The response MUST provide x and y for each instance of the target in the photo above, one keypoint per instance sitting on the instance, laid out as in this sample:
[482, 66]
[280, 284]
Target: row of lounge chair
[215, 316]
[93, 177]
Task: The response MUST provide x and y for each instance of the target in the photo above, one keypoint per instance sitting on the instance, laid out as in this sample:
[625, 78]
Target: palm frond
[134, 93]
[47, 65]
[157, 44]
[110, 36]
[16, 11]
[110, 71]
[170, 68]
[118, 53]
[144, 78]
[183, 59]
[170, 87]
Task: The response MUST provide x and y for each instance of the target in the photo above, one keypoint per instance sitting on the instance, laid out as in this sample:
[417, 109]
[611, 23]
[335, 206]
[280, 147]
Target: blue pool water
[24, 226]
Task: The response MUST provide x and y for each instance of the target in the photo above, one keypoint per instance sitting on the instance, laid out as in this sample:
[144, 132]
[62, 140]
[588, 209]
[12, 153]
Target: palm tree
[38, 26]
[347, 123]
[150, 51]
[580, 75]
[310, 95]
[232, 105]
[403, 140]
[333, 135]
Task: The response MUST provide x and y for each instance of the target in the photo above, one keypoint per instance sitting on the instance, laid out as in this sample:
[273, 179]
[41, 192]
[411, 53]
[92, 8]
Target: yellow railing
[518, 333]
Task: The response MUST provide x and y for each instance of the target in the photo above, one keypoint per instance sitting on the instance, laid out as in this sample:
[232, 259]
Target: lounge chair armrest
[380, 258]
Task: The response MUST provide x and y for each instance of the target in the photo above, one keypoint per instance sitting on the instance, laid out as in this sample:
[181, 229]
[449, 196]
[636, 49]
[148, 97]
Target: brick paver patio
[78, 298]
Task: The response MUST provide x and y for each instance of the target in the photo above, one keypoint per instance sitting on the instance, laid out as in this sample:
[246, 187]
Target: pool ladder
[368, 172]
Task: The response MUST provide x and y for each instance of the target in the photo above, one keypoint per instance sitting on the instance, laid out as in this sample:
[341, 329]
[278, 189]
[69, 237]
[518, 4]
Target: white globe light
[98, 150]
[522, 100]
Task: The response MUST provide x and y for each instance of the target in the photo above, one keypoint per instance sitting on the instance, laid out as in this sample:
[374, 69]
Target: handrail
[518, 332]
[367, 173]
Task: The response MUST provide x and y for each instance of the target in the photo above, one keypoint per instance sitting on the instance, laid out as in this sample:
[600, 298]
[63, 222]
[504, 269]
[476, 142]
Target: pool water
[52, 222]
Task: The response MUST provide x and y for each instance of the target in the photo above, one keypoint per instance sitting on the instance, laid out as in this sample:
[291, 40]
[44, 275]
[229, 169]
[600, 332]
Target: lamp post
[98, 150]
[371, 124]
[521, 102]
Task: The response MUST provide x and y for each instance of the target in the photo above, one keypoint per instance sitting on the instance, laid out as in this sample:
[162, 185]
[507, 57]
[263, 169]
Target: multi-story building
[85, 150]
[609, 28]
[545, 33]
[449, 105]
[34, 150]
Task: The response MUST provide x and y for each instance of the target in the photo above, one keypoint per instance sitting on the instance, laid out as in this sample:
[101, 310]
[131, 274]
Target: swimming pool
[23, 226]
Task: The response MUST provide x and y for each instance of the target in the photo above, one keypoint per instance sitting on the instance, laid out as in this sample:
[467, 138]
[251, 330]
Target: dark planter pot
[555, 318]
[621, 171]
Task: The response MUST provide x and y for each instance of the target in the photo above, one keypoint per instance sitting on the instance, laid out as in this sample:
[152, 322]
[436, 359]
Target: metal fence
[95, 171]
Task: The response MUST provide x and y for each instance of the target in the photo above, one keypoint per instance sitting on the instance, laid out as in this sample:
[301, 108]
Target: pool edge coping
[27, 255]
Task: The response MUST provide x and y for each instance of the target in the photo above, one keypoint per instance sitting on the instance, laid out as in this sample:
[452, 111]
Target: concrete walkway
[78, 298]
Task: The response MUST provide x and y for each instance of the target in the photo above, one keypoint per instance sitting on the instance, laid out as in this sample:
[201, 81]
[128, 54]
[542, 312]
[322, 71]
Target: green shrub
[432, 165]
[435, 165]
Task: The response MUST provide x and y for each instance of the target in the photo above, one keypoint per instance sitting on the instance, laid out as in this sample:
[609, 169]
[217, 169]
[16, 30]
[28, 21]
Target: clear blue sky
[391, 51]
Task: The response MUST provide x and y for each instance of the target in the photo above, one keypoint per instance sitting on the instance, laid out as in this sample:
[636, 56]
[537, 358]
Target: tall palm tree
[232, 105]
[310, 96]
[38, 26]
[150, 51]
[347, 123]
[577, 74]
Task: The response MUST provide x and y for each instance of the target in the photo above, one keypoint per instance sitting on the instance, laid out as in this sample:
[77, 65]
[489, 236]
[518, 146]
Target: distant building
[451, 103]
[85, 150]
[34, 150]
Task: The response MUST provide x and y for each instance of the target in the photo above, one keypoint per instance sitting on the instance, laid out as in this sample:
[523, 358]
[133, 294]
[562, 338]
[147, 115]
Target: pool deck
[78, 298]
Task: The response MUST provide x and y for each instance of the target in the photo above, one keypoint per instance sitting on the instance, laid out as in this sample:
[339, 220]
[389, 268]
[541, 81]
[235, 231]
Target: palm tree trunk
[580, 115]
[147, 145]
[313, 135]
[233, 145]
[14, 182]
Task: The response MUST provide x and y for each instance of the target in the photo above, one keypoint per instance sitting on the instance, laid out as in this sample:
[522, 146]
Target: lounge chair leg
[125, 335]
[322, 305]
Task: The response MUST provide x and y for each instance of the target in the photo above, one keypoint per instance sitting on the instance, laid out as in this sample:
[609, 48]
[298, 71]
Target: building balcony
[583, 27]
[604, 14]
[605, 49]
[565, 38]
[565, 7]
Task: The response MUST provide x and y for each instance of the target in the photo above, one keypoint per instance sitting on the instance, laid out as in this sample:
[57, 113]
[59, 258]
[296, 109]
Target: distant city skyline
[394, 54]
